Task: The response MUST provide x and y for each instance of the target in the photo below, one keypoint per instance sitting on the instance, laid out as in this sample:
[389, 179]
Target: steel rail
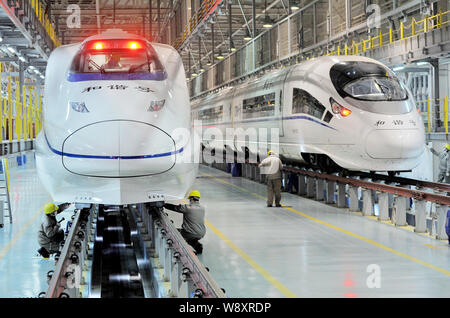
[415, 194]
[58, 281]
[398, 190]
[198, 273]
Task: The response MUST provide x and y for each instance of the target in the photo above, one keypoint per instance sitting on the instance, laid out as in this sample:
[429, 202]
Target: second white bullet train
[116, 122]
[347, 112]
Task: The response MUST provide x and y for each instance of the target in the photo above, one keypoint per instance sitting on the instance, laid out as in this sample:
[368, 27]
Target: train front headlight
[338, 109]
[79, 107]
[156, 105]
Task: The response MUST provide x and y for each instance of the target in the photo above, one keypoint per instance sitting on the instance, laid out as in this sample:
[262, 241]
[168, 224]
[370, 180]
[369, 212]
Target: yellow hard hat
[270, 152]
[447, 146]
[194, 193]
[50, 208]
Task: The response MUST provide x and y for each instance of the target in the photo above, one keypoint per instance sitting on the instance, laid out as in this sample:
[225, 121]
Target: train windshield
[117, 56]
[367, 81]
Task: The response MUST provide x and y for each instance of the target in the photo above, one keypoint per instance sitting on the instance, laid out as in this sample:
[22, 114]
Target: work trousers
[273, 187]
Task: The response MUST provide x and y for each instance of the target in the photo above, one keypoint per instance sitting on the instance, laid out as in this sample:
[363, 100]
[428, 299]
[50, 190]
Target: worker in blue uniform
[193, 227]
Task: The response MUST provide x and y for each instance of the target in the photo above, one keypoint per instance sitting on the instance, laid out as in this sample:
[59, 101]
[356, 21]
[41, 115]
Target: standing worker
[271, 166]
[444, 163]
[193, 228]
[50, 233]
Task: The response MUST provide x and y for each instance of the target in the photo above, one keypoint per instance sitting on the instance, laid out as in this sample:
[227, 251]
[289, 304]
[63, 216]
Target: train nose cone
[395, 144]
[119, 148]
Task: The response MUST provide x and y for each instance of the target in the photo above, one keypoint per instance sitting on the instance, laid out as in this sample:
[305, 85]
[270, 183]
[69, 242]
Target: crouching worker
[50, 233]
[193, 228]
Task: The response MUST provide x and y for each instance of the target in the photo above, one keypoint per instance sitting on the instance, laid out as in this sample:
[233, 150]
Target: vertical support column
[341, 197]
[301, 185]
[436, 93]
[320, 189]
[367, 202]
[441, 211]
[331, 186]
[310, 183]
[399, 211]
[383, 206]
[175, 276]
[420, 216]
[354, 198]
[285, 179]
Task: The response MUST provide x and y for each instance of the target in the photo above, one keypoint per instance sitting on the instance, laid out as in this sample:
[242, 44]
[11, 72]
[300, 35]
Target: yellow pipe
[413, 26]
[402, 31]
[381, 38]
[446, 114]
[9, 110]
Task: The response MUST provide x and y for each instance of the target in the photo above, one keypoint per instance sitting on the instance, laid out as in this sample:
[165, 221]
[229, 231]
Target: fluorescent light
[294, 8]
[22, 58]
[399, 68]
[12, 50]
[267, 22]
[422, 63]
[220, 56]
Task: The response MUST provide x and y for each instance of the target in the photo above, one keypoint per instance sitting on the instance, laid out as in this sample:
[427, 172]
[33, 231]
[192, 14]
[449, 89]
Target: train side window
[328, 116]
[259, 106]
[303, 102]
[211, 115]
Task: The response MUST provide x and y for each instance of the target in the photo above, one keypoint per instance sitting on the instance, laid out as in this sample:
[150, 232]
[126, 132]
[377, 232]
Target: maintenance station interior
[228, 149]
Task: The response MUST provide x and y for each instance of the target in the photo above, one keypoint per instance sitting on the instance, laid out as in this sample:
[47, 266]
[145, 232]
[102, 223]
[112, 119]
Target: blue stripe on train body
[81, 77]
[71, 155]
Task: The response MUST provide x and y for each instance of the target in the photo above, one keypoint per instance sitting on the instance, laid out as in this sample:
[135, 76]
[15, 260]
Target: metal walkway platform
[310, 249]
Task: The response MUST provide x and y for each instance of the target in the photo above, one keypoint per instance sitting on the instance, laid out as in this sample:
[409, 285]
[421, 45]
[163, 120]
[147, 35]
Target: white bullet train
[116, 126]
[334, 112]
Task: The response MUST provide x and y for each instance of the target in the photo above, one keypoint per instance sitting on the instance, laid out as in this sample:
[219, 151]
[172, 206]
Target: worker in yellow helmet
[50, 233]
[193, 228]
[271, 167]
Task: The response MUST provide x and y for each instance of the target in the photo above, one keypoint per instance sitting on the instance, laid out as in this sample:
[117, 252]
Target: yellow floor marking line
[386, 248]
[16, 237]
[267, 276]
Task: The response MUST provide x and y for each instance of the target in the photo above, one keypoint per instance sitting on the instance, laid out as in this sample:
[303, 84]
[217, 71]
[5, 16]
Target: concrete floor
[304, 249]
[309, 249]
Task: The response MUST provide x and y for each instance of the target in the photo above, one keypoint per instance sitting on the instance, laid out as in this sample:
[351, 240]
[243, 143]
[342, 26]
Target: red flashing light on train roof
[134, 45]
[98, 45]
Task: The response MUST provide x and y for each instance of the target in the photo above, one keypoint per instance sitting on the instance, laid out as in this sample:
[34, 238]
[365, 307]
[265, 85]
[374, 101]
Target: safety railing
[39, 11]
[414, 28]
[205, 9]
[294, 38]
[20, 115]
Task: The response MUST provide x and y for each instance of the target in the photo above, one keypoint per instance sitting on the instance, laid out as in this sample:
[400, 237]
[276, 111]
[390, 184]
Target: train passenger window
[211, 115]
[259, 106]
[115, 56]
[304, 103]
[328, 116]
